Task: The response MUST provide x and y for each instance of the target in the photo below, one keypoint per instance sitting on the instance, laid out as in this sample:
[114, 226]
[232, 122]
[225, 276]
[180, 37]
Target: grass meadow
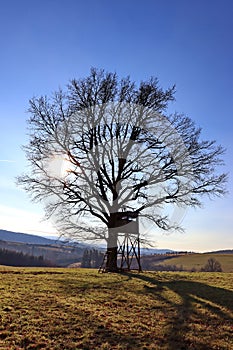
[82, 309]
[198, 261]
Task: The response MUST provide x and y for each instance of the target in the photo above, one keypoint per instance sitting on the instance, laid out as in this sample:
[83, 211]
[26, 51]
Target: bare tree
[212, 265]
[103, 153]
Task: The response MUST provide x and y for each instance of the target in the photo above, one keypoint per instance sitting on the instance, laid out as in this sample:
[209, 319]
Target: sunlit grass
[199, 260]
[81, 309]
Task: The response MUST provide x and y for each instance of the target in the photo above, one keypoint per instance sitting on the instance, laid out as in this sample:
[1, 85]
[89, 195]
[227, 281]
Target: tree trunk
[111, 264]
[118, 222]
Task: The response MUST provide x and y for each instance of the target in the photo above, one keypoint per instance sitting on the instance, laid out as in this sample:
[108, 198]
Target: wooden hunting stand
[128, 244]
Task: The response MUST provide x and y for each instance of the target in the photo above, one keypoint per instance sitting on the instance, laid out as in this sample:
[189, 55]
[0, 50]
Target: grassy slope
[81, 309]
[199, 260]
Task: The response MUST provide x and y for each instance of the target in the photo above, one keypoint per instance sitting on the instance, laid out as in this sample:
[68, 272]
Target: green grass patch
[199, 260]
[81, 309]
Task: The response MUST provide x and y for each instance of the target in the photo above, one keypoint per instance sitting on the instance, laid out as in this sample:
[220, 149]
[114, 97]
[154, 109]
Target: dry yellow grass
[56, 309]
[199, 260]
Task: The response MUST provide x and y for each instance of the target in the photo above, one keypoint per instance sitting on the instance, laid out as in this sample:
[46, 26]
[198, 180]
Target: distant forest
[13, 258]
[59, 254]
[92, 258]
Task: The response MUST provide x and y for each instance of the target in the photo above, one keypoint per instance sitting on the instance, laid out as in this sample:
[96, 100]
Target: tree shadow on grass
[215, 300]
[185, 327]
[102, 332]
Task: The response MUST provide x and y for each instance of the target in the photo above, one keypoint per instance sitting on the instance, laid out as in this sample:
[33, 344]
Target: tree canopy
[104, 152]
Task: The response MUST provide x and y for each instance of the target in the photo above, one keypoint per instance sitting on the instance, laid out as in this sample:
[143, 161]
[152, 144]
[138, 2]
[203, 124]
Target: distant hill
[59, 253]
[188, 262]
[19, 237]
[224, 251]
[149, 251]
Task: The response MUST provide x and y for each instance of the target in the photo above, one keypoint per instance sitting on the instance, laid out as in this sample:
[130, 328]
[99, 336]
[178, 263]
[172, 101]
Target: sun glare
[59, 166]
[66, 167]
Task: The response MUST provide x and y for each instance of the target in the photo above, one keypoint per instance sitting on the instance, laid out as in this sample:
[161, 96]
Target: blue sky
[46, 43]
